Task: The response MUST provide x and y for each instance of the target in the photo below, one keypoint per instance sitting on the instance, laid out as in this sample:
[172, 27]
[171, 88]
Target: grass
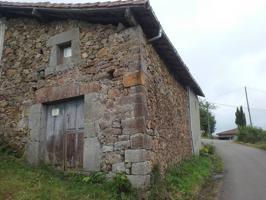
[19, 181]
[189, 176]
[259, 145]
[218, 165]
[184, 182]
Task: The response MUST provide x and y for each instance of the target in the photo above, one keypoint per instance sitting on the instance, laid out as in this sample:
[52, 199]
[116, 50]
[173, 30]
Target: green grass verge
[259, 145]
[19, 181]
[184, 182]
[187, 178]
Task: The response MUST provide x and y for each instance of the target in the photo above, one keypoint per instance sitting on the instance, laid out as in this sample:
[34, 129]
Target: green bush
[122, 184]
[95, 177]
[207, 149]
[251, 135]
[6, 149]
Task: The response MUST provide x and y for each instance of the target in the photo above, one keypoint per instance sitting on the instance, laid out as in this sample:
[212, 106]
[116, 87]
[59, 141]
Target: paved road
[245, 172]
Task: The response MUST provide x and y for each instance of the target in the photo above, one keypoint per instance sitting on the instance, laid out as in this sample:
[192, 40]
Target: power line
[258, 90]
[235, 106]
[229, 92]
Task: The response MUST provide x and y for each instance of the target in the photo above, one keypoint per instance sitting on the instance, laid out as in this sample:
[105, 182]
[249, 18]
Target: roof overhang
[110, 13]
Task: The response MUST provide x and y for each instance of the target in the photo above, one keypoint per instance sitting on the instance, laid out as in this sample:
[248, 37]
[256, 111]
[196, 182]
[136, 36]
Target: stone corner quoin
[113, 106]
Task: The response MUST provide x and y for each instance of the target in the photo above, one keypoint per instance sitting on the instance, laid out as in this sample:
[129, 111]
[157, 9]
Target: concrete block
[90, 129]
[139, 181]
[94, 110]
[141, 168]
[72, 34]
[123, 137]
[92, 154]
[133, 79]
[113, 157]
[134, 125]
[32, 153]
[139, 141]
[36, 126]
[118, 167]
[137, 155]
[122, 145]
[107, 148]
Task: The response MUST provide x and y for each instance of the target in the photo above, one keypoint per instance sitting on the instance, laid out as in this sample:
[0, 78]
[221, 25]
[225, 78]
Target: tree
[207, 118]
[240, 117]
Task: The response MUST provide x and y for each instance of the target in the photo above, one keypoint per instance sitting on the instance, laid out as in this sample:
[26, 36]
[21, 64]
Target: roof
[228, 133]
[110, 13]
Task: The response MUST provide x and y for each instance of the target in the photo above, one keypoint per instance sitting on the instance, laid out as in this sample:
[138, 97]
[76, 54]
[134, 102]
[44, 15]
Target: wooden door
[74, 134]
[54, 135]
[65, 132]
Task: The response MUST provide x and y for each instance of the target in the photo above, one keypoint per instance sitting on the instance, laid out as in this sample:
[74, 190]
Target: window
[65, 53]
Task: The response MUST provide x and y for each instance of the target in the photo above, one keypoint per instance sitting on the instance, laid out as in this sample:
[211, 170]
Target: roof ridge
[74, 5]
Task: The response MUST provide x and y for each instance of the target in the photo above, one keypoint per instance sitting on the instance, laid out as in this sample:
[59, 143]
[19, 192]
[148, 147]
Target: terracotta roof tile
[76, 5]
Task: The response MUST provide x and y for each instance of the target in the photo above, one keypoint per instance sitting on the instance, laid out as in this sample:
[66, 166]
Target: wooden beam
[35, 12]
[130, 18]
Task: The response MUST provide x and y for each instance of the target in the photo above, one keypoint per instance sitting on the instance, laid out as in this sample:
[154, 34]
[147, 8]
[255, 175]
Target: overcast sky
[223, 42]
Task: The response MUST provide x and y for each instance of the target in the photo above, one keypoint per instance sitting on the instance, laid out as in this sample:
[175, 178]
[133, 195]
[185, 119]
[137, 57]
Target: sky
[223, 43]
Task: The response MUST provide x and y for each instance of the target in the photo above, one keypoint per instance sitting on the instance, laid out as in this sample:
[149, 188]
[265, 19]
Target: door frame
[44, 134]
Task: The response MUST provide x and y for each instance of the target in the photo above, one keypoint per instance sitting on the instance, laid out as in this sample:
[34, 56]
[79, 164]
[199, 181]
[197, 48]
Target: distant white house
[227, 135]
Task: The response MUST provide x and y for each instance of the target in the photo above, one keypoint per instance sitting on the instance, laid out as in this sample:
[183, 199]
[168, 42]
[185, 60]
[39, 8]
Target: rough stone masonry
[136, 114]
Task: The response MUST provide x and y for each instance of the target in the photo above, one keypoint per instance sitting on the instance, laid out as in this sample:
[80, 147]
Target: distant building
[228, 135]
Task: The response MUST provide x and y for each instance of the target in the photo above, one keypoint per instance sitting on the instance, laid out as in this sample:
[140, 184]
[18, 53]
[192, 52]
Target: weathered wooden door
[64, 134]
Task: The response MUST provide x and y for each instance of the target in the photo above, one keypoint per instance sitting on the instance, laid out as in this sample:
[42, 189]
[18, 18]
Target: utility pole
[250, 120]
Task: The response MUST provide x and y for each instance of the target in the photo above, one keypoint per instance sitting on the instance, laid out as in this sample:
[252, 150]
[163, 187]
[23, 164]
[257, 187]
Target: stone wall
[106, 55]
[136, 113]
[168, 112]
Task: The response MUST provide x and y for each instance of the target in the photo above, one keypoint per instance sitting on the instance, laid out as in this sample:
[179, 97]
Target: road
[245, 171]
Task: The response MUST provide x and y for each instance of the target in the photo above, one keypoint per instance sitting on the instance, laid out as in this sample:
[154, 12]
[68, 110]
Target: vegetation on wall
[207, 118]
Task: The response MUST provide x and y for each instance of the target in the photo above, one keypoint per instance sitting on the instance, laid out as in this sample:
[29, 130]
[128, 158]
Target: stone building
[95, 86]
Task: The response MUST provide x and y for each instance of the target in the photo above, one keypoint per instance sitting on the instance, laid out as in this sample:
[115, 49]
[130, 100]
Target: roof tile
[76, 5]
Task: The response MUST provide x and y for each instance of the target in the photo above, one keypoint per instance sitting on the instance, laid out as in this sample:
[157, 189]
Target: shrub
[5, 148]
[251, 135]
[207, 149]
[95, 177]
[122, 184]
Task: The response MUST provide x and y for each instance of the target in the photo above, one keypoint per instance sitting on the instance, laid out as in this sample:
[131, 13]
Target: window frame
[55, 43]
